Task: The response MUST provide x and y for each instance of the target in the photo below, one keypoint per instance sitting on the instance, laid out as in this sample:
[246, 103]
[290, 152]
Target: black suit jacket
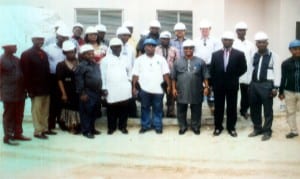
[236, 67]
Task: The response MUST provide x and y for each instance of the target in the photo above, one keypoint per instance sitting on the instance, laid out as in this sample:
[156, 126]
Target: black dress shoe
[217, 132]
[40, 136]
[182, 131]
[159, 131]
[245, 115]
[291, 135]
[232, 133]
[49, 132]
[196, 131]
[124, 131]
[6, 140]
[266, 137]
[96, 132]
[89, 135]
[110, 131]
[21, 137]
[255, 133]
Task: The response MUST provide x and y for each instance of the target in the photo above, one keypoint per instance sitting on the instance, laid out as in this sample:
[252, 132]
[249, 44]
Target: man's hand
[206, 91]
[64, 98]
[174, 93]
[84, 97]
[274, 93]
[281, 97]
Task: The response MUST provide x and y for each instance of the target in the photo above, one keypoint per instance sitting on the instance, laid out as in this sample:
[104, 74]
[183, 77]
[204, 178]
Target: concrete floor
[154, 156]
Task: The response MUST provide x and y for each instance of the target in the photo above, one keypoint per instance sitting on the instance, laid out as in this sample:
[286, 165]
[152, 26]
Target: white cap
[86, 48]
[205, 24]
[62, 31]
[91, 30]
[68, 45]
[101, 28]
[241, 25]
[228, 35]
[123, 31]
[179, 26]
[37, 34]
[165, 34]
[155, 23]
[188, 43]
[127, 24]
[78, 25]
[115, 42]
[261, 36]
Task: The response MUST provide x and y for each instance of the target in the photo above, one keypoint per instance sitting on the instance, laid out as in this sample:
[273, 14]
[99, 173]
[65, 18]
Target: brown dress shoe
[6, 140]
[40, 136]
[49, 132]
[21, 137]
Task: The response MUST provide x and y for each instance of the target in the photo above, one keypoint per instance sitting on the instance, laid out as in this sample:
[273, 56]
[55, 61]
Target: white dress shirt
[249, 49]
[150, 71]
[55, 55]
[204, 47]
[116, 78]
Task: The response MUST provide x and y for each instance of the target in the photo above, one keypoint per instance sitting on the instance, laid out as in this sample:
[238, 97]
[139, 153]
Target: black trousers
[117, 111]
[55, 103]
[13, 118]
[196, 111]
[260, 96]
[132, 108]
[244, 98]
[231, 108]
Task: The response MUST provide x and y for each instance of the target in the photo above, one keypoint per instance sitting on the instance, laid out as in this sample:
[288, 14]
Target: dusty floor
[154, 156]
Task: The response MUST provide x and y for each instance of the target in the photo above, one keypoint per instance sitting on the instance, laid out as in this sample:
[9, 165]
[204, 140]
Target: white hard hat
[91, 30]
[241, 25]
[8, 42]
[155, 23]
[123, 31]
[86, 48]
[261, 36]
[179, 26]
[188, 43]
[38, 34]
[127, 24]
[205, 24]
[78, 25]
[101, 28]
[228, 35]
[115, 42]
[62, 31]
[68, 45]
[165, 34]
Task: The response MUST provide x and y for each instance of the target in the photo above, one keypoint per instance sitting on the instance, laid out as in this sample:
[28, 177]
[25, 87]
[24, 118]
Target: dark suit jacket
[235, 68]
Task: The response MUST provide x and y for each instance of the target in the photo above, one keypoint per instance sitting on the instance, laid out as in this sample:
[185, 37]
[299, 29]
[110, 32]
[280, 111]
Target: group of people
[70, 78]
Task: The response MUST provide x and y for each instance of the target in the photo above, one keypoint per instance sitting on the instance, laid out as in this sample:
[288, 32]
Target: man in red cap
[12, 93]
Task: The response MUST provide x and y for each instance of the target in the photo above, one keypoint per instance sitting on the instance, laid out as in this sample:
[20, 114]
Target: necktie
[226, 58]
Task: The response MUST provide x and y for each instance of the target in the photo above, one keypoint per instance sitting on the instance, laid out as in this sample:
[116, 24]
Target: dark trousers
[231, 108]
[13, 118]
[132, 108]
[88, 112]
[117, 111]
[55, 103]
[195, 115]
[170, 105]
[260, 96]
[244, 98]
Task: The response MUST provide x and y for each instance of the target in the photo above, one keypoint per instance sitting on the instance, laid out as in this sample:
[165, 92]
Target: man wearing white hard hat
[170, 54]
[65, 73]
[177, 42]
[154, 29]
[12, 94]
[55, 55]
[101, 34]
[128, 54]
[77, 33]
[116, 78]
[88, 87]
[36, 70]
[188, 76]
[52, 39]
[227, 65]
[205, 45]
[264, 85]
[244, 45]
[131, 41]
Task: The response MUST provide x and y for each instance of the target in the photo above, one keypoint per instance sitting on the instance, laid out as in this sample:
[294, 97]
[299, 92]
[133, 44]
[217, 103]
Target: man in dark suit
[227, 66]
